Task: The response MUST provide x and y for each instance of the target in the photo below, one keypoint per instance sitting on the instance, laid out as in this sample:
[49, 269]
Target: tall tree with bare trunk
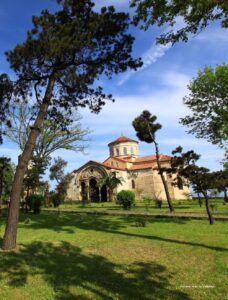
[59, 65]
[146, 129]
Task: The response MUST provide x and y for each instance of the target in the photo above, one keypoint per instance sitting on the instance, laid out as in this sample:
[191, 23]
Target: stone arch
[89, 178]
[94, 190]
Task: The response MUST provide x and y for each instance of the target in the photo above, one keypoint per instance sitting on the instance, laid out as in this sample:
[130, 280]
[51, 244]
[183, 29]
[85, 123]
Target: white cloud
[213, 35]
[148, 58]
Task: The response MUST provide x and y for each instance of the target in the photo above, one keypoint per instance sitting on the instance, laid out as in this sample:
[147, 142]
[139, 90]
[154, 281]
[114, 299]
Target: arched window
[133, 184]
[111, 152]
[125, 150]
[117, 152]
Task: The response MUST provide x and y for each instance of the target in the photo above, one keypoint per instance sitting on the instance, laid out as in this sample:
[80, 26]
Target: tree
[63, 185]
[59, 64]
[63, 180]
[111, 181]
[146, 129]
[221, 182]
[32, 180]
[183, 165]
[6, 176]
[51, 138]
[57, 169]
[196, 15]
[208, 101]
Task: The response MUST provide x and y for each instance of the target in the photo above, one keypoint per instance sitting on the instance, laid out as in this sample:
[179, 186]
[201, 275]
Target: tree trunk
[225, 195]
[1, 188]
[199, 199]
[9, 241]
[163, 179]
[210, 217]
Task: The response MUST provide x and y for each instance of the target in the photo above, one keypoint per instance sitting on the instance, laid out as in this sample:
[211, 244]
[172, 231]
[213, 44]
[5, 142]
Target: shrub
[126, 199]
[158, 203]
[147, 201]
[140, 222]
[56, 199]
[35, 202]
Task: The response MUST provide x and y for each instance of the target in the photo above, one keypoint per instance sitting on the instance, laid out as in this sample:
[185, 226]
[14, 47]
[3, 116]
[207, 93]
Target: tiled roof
[117, 158]
[152, 158]
[108, 166]
[122, 139]
[142, 166]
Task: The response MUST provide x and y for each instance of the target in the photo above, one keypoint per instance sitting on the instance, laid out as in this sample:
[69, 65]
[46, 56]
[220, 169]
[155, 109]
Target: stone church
[138, 174]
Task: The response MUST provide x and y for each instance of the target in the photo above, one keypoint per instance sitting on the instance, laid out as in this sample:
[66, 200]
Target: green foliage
[56, 198]
[196, 15]
[63, 185]
[126, 199]
[208, 101]
[32, 180]
[140, 222]
[111, 181]
[158, 203]
[146, 127]
[6, 176]
[57, 169]
[35, 202]
[147, 202]
[51, 138]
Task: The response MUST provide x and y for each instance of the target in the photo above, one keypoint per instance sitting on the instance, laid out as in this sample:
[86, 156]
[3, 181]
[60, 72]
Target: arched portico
[89, 179]
[94, 191]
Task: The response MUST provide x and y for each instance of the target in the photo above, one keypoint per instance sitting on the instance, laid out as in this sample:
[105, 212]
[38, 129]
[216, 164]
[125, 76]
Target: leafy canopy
[72, 47]
[193, 15]
[146, 127]
[57, 169]
[52, 137]
[208, 102]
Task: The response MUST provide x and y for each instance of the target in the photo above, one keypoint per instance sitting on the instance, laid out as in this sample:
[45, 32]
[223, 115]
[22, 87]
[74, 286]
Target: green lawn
[66, 256]
[219, 207]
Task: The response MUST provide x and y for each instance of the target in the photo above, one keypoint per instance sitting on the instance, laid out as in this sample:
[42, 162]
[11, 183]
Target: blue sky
[159, 86]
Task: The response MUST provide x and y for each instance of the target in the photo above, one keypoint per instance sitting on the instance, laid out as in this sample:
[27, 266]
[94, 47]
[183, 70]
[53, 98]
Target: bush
[56, 199]
[35, 202]
[140, 222]
[158, 203]
[147, 201]
[126, 199]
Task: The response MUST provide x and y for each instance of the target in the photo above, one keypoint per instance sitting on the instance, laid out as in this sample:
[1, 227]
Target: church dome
[123, 146]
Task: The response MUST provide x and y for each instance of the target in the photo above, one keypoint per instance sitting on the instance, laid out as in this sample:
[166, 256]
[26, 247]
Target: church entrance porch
[93, 191]
[84, 191]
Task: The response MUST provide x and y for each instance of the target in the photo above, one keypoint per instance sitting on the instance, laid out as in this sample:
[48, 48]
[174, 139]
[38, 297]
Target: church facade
[138, 174]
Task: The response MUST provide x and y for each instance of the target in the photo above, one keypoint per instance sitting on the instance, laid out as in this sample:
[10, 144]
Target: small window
[133, 184]
[125, 150]
[117, 152]
[111, 163]
[117, 164]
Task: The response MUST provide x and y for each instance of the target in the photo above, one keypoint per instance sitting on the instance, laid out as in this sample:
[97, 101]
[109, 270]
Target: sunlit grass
[68, 256]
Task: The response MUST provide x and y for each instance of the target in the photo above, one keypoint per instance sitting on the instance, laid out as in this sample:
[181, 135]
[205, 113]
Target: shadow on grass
[61, 222]
[74, 275]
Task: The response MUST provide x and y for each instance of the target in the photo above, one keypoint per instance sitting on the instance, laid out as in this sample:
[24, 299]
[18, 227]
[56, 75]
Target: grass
[66, 256]
[219, 207]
